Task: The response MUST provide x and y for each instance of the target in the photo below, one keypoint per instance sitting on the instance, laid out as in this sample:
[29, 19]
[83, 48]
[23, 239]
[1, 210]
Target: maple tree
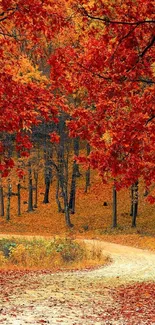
[101, 74]
[111, 60]
[25, 97]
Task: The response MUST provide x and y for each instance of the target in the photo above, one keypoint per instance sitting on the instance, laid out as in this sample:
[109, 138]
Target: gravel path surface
[76, 298]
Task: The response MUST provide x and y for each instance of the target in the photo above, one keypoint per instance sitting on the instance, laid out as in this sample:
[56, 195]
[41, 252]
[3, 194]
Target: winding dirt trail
[129, 263]
[81, 297]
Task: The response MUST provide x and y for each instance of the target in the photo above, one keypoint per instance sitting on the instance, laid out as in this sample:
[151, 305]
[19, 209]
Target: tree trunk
[1, 201]
[48, 171]
[75, 174]
[30, 189]
[76, 153]
[8, 202]
[66, 207]
[73, 189]
[36, 189]
[63, 169]
[114, 216]
[87, 175]
[19, 199]
[135, 204]
[57, 197]
[131, 208]
[47, 188]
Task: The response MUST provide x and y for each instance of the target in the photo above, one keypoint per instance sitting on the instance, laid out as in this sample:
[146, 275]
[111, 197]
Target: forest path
[79, 297]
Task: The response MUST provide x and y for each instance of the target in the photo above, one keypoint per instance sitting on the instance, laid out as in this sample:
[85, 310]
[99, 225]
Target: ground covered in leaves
[43, 298]
[92, 218]
[120, 293]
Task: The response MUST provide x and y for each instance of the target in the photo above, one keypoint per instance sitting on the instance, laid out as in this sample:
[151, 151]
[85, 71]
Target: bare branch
[148, 47]
[94, 73]
[150, 119]
[107, 20]
[9, 12]
[120, 79]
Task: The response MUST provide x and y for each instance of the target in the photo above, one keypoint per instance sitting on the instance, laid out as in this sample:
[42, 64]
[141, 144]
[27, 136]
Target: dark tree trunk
[1, 201]
[73, 189]
[76, 153]
[36, 189]
[63, 170]
[114, 216]
[87, 184]
[30, 189]
[75, 174]
[8, 202]
[19, 199]
[131, 208]
[135, 204]
[57, 197]
[47, 190]
[67, 212]
[48, 171]
[48, 176]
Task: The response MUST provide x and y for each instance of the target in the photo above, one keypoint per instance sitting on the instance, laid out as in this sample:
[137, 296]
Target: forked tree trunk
[1, 201]
[114, 207]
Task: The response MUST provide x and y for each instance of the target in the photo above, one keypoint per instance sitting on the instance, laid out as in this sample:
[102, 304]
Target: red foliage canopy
[112, 63]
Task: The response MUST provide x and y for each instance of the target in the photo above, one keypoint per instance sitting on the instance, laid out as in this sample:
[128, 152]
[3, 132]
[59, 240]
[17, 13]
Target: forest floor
[120, 293]
[92, 219]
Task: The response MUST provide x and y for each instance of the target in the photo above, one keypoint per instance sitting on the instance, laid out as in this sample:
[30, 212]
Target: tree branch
[13, 10]
[150, 119]
[94, 73]
[148, 47]
[107, 20]
[119, 79]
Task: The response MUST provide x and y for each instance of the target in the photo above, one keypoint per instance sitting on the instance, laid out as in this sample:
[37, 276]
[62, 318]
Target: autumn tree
[112, 61]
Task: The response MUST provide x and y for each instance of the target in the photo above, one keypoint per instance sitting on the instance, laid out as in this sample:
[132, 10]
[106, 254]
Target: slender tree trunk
[48, 172]
[75, 174]
[57, 197]
[36, 189]
[63, 169]
[30, 189]
[87, 184]
[1, 201]
[131, 208]
[135, 204]
[8, 201]
[19, 199]
[47, 184]
[114, 216]
[76, 153]
[66, 207]
[73, 189]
